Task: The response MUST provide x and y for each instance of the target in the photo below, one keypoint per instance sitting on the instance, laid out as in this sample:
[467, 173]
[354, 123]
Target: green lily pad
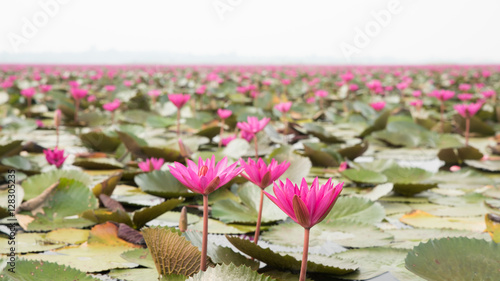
[68, 235]
[457, 156]
[134, 196]
[144, 215]
[10, 147]
[283, 261]
[476, 126]
[490, 166]
[409, 238]
[379, 124]
[364, 176]
[99, 141]
[353, 152]
[230, 272]
[168, 154]
[107, 186]
[209, 132]
[374, 262]
[42, 270]
[342, 232]
[69, 198]
[228, 210]
[35, 185]
[319, 132]
[163, 184]
[98, 163]
[455, 259]
[356, 209]
[28, 243]
[141, 257]
[464, 179]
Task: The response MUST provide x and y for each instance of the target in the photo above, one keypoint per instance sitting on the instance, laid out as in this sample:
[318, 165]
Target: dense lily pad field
[88, 192]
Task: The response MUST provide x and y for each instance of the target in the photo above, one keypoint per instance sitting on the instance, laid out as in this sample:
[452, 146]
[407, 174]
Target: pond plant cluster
[249, 172]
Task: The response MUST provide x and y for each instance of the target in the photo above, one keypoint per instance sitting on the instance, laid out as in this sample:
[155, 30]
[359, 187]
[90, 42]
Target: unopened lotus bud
[183, 220]
[57, 118]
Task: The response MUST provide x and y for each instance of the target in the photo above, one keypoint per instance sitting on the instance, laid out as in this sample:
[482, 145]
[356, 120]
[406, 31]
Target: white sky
[424, 31]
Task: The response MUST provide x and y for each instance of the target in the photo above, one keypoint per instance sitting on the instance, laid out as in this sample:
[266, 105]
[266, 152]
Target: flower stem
[259, 218]
[303, 267]
[467, 129]
[28, 113]
[221, 131]
[77, 106]
[203, 264]
[256, 147]
[57, 136]
[178, 122]
[442, 117]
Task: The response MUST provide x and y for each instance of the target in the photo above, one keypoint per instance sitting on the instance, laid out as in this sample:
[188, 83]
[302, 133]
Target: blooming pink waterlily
[112, 106]
[306, 206]
[464, 87]
[179, 100]
[127, 83]
[416, 94]
[321, 93]
[378, 105]
[416, 103]
[464, 97]
[346, 77]
[353, 87]
[78, 93]
[206, 176]
[283, 107]
[154, 93]
[253, 124]
[224, 113]
[201, 90]
[225, 141]
[28, 92]
[110, 88]
[55, 156]
[442, 95]
[151, 164]
[468, 110]
[262, 174]
[45, 88]
[488, 94]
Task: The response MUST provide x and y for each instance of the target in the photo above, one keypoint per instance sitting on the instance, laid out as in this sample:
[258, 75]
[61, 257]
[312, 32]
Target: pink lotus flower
[179, 100]
[78, 93]
[55, 156]
[207, 176]
[401, 86]
[442, 95]
[253, 124]
[488, 94]
[468, 110]
[464, 87]
[127, 83]
[241, 89]
[7, 84]
[285, 81]
[28, 92]
[321, 93]
[374, 85]
[306, 206]
[110, 88]
[201, 90]
[247, 136]
[310, 100]
[378, 105]
[464, 97]
[267, 82]
[74, 84]
[151, 164]
[416, 103]
[154, 93]
[486, 73]
[112, 106]
[283, 107]
[416, 94]
[353, 87]
[261, 174]
[91, 98]
[346, 77]
[225, 141]
[39, 123]
[45, 88]
[224, 113]
[479, 86]
[343, 166]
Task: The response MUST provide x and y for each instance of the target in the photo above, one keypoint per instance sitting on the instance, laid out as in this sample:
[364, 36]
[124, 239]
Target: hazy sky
[364, 31]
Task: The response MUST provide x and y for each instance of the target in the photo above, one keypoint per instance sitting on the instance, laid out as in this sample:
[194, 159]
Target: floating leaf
[454, 156]
[141, 257]
[42, 270]
[379, 124]
[364, 176]
[28, 243]
[98, 163]
[10, 147]
[230, 272]
[356, 209]
[493, 226]
[455, 259]
[163, 184]
[422, 219]
[107, 186]
[318, 264]
[134, 196]
[68, 235]
[172, 253]
[35, 185]
[168, 154]
[99, 141]
[144, 215]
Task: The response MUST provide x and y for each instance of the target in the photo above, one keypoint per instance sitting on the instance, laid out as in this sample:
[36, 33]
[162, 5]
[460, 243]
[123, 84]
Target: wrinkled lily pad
[163, 184]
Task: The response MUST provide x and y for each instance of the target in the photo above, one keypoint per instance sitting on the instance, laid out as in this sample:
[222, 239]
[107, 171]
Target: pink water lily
[78, 93]
[224, 113]
[154, 93]
[378, 105]
[45, 88]
[55, 156]
[306, 206]
[464, 97]
[253, 124]
[442, 95]
[283, 107]
[179, 100]
[225, 141]
[262, 175]
[467, 111]
[110, 88]
[204, 178]
[151, 164]
[28, 92]
[112, 106]
[488, 94]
